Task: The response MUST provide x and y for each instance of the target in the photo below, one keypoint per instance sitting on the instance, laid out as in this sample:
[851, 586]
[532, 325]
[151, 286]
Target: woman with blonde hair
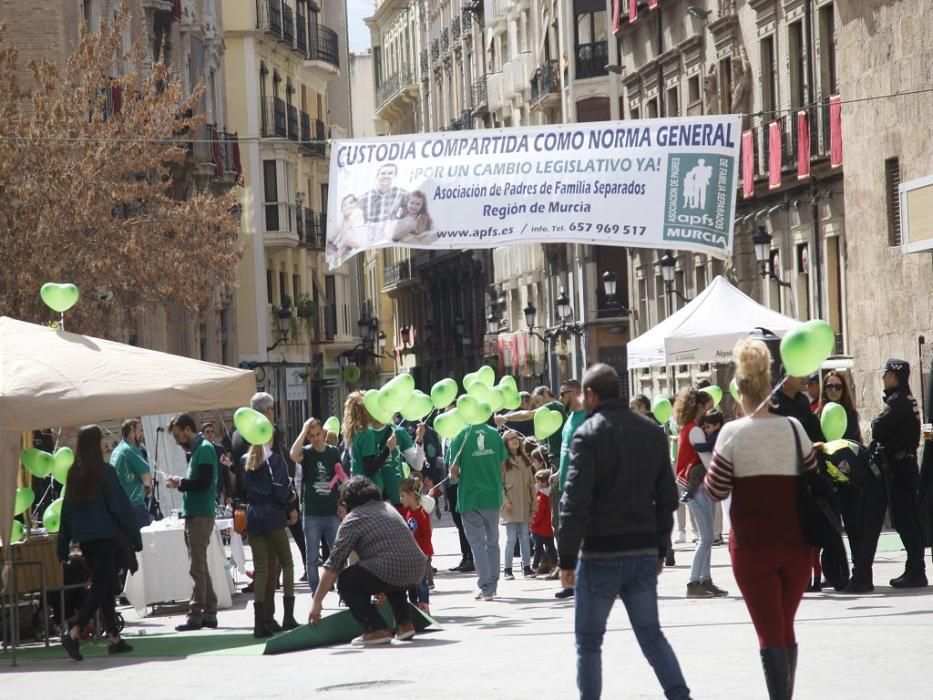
[268, 493]
[689, 407]
[757, 460]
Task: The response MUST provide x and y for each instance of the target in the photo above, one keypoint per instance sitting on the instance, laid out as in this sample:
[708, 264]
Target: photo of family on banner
[656, 183]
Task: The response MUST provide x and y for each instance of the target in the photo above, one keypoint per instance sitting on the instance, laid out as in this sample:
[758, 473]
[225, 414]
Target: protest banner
[658, 183]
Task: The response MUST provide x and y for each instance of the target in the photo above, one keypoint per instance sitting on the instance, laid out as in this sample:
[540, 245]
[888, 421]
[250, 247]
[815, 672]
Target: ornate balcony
[592, 60]
[274, 121]
[545, 84]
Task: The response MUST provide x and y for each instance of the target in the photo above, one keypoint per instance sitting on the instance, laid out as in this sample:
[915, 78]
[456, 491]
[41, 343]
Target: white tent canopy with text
[53, 378]
[706, 329]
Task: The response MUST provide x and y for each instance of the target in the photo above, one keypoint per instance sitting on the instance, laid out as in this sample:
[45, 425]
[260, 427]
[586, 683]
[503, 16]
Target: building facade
[296, 319]
[189, 36]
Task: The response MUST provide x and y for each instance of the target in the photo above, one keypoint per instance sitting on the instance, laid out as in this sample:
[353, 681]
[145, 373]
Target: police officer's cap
[899, 367]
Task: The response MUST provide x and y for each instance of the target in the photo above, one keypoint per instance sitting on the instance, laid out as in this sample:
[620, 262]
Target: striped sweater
[755, 460]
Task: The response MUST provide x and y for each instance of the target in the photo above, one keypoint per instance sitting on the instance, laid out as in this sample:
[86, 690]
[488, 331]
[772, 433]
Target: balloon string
[61, 323]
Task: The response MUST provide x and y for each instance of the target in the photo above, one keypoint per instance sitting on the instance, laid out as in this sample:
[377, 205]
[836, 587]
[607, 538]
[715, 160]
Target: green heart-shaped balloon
[804, 348]
[397, 392]
[52, 517]
[487, 375]
[418, 406]
[443, 393]
[59, 297]
[332, 424]
[24, 499]
[63, 461]
[833, 421]
[255, 428]
[734, 390]
[351, 373]
[508, 381]
[714, 392]
[472, 410]
[37, 462]
[449, 424]
[498, 399]
[480, 392]
[512, 399]
[469, 379]
[372, 400]
[547, 422]
[661, 409]
[16, 534]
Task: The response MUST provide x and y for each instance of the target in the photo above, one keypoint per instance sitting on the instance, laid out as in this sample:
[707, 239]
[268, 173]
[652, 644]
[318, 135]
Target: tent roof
[706, 329]
[51, 378]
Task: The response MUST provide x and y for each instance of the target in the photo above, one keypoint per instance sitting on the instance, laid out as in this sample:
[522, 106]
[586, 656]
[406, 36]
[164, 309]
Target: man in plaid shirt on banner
[385, 203]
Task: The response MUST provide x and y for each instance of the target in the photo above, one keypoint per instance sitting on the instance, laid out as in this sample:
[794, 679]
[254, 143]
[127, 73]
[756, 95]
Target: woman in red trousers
[756, 460]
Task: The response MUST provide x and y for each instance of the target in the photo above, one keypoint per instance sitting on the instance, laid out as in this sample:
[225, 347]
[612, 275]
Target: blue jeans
[516, 531]
[702, 508]
[635, 579]
[315, 526]
[482, 532]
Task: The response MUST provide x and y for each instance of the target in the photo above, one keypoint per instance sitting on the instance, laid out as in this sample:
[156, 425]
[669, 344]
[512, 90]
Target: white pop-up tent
[706, 329]
[54, 378]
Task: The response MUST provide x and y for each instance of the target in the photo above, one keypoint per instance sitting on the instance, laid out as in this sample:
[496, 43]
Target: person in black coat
[790, 401]
[97, 514]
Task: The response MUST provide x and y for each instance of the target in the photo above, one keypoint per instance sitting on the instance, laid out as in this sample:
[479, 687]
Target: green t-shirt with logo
[318, 485]
[368, 443]
[201, 503]
[554, 441]
[393, 469]
[570, 427]
[130, 465]
[479, 452]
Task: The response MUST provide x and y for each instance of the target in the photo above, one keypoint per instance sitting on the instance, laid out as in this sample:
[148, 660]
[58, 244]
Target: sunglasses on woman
[833, 387]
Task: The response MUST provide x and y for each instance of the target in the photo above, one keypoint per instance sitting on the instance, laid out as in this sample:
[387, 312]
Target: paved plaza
[519, 646]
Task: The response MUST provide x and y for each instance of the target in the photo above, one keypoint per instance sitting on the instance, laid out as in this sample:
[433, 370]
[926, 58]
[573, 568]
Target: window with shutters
[892, 180]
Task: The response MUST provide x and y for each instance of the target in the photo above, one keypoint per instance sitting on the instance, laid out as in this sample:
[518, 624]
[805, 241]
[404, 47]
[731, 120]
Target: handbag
[817, 504]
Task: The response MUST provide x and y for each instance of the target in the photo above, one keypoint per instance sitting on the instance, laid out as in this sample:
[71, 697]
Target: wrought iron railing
[391, 86]
[545, 81]
[323, 45]
[274, 122]
[479, 92]
[592, 60]
[293, 122]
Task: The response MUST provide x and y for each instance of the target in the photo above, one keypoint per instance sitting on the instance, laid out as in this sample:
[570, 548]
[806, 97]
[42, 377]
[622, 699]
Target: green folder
[339, 628]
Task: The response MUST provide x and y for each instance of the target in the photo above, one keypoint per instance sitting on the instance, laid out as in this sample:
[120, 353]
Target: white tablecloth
[163, 568]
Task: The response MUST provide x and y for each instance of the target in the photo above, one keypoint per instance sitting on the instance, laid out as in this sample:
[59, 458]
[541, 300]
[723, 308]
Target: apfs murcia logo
[698, 202]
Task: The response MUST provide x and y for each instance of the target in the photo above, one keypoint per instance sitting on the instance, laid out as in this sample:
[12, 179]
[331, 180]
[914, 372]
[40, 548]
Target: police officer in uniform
[896, 435]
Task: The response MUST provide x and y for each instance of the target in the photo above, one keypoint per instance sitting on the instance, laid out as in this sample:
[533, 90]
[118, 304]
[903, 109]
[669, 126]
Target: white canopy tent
[706, 329]
[54, 378]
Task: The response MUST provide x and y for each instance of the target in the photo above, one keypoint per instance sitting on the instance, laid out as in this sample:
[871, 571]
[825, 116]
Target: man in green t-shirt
[321, 474]
[572, 401]
[387, 445]
[198, 508]
[477, 457]
[133, 470]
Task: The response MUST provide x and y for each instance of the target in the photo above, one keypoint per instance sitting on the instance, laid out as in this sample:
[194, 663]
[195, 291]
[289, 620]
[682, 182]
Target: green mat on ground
[180, 645]
[338, 628]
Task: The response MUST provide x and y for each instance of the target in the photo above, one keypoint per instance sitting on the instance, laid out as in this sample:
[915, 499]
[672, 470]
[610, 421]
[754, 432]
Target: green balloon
[373, 403]
[508, 381]
[351, 373]
[469, 379]
[473, 411]
[255, 428]
[443, 393]
[418, 406]
[397, 392]
[661, 409]
[547, 422]
[498, 399]
[487, 375]
[734, 390]
[449, 424]
[61, 469]
[59, 297]
[332, 424]
[804, 348]
[715, 392]
[64, 458]
[24, 499]
[37, 462]
[17, 533]
[512, 399]
[480, 392]
[833, 421]
[52, 517]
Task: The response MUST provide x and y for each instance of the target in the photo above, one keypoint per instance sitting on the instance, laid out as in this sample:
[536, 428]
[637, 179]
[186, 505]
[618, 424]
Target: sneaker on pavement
[714, 589]
[190, 625]
[564, 593]
[458, 567]
[695, 589]
[468, 567]
[478, 595]
[488, 597]
[405, 631]
[370, 639]
[681, 537]
[858, 587]
[669, 559]
[528, 572]
[507, 575]
[72, 646]
[209, 621]
[119, 647]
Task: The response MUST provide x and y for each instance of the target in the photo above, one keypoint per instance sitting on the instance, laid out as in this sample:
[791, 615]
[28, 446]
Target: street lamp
[530, 311]
[380, 341]
[492, 323]
[762, 240]
[563, 306]
[609, 284]
[668, 263]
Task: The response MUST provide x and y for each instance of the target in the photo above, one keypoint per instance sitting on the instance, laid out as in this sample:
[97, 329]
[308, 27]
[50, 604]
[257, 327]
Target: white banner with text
[658, 183]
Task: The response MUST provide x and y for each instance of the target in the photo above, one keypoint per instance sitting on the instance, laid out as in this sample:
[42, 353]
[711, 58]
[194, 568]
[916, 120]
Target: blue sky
[359, 32]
